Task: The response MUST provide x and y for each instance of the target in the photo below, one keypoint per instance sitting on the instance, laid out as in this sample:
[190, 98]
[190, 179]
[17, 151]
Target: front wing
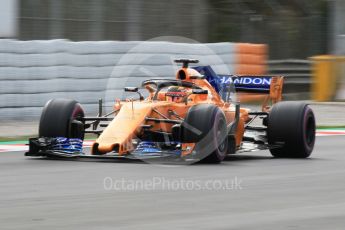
[43, 147]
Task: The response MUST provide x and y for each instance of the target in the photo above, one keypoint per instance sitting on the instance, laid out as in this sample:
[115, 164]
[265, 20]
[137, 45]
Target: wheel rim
[220, 135]
[76, 115]
[310, 130]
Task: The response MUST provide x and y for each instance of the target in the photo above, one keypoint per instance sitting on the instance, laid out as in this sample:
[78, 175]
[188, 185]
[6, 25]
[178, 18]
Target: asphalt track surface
[269, 193]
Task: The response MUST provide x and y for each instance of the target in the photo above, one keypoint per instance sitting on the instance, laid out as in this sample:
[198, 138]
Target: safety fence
[32, 72]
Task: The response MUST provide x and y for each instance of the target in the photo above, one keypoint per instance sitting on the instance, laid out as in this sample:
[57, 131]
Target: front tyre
[205, 125]
[61, 118]
[291, 126]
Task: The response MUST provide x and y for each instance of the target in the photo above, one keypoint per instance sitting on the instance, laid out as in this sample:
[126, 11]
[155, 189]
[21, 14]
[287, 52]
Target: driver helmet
[176, 94]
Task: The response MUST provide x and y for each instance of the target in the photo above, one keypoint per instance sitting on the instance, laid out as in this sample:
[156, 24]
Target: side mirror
[134, 90]
[200, 91]
[131, 89]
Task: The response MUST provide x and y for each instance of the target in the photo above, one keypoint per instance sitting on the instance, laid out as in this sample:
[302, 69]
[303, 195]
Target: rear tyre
[292, 125]
[205, 125]
[61, 118]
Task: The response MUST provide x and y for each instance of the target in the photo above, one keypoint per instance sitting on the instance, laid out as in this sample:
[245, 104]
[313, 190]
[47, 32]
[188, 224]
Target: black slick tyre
[61, 118]
[291, 126]
[205, 125]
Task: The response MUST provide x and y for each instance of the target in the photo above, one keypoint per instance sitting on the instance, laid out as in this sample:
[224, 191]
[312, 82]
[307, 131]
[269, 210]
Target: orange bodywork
[131, 117]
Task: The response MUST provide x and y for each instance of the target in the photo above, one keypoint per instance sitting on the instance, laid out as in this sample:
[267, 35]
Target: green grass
[17, 138]
[330, 127]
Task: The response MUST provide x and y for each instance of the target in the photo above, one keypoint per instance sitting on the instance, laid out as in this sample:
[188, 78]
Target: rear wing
[247, 86]
[255, 84]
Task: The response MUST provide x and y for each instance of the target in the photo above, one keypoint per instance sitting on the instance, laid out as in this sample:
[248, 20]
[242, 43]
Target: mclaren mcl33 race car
[189, 119]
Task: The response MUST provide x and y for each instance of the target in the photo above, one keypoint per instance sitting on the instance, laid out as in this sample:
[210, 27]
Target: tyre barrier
[32, 72]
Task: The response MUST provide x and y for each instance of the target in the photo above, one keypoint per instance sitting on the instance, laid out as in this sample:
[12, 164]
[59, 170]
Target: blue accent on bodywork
[210, 76]
[242, 83]
[149, 147]
[257, 83]
[70, 145]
